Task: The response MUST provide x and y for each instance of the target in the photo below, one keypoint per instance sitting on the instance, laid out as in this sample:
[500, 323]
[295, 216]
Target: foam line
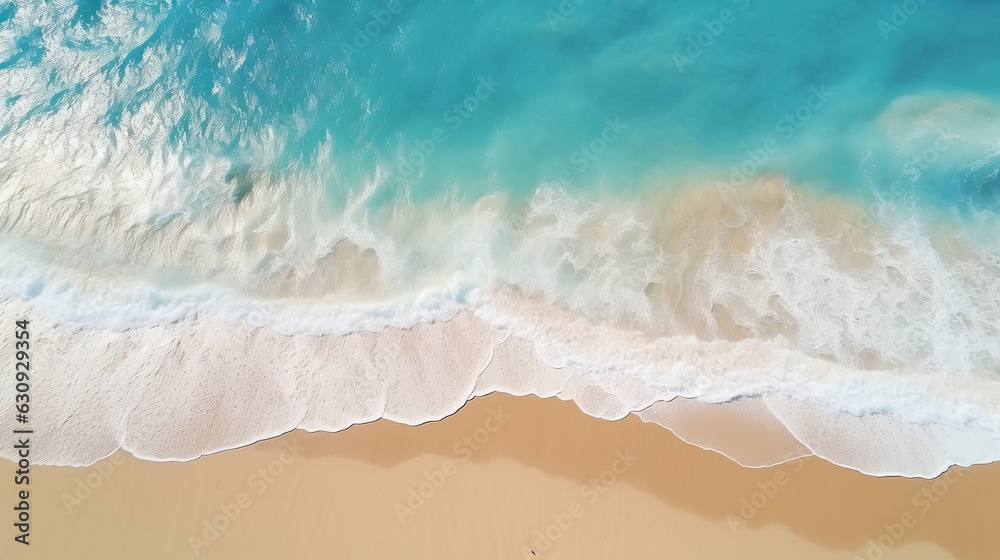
[159, 391]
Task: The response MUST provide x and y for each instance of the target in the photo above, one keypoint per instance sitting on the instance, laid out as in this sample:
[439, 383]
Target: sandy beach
[505, 477]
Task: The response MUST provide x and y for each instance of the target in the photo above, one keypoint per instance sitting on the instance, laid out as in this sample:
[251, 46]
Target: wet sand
[505, 477]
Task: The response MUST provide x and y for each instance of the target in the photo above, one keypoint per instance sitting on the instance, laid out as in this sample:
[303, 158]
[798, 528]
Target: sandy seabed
[505, 477]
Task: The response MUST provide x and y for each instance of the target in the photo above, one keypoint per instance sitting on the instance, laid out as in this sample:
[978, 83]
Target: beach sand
[505, 477]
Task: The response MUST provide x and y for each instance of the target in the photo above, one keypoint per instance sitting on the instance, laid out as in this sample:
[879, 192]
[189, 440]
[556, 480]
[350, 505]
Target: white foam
[123, 341]
[197, 386]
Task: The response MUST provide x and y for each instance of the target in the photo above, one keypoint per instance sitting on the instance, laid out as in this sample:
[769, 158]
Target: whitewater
[228, 222]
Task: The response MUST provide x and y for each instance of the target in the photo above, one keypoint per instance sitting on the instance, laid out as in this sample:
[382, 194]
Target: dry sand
[342, 495]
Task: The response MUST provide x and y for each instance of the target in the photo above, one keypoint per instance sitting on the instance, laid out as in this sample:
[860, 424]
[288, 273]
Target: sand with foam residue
[339, 496]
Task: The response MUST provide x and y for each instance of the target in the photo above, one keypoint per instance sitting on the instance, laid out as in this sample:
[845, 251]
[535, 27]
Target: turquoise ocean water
[375, 78]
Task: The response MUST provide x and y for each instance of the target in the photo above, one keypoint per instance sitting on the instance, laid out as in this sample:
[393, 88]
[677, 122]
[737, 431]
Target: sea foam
[213, 329]
[201, 385]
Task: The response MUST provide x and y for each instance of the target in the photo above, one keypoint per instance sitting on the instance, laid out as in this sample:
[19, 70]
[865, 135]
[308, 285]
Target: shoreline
[178, 375]
[493, 473]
